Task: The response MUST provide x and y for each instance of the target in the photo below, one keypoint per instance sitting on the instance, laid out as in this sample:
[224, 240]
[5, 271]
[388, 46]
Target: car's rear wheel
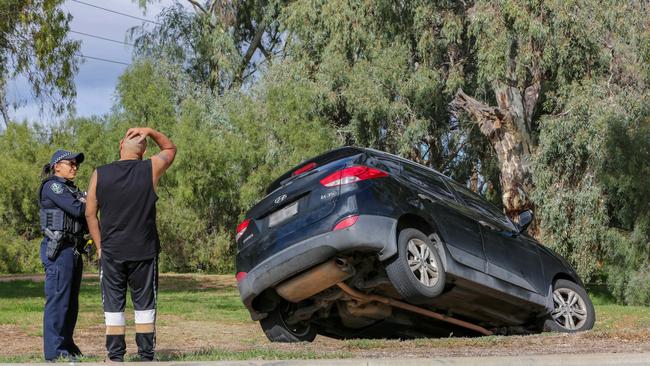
[572, 309]
[416, 272]
[278, 330]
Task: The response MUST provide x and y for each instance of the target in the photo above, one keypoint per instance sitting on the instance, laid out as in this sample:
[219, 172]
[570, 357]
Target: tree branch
[198, 7]
[531, 96]
[254, 45]
[264, 51]
[488, 118]
[213, 5]
[3, 106]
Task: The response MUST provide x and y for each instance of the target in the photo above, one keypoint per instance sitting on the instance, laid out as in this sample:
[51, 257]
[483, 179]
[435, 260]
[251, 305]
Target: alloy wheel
[422, 262]
[570, 310]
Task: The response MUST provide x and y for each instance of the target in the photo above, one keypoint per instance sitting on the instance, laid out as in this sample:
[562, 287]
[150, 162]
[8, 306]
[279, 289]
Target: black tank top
[127, 208]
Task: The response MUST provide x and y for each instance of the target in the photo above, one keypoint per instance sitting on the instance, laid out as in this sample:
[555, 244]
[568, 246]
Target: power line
[116, 12]
[103, 59]
[102, 38]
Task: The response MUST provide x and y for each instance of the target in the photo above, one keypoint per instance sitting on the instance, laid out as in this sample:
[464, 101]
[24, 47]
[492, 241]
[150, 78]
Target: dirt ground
[176, 335]
[198, 336]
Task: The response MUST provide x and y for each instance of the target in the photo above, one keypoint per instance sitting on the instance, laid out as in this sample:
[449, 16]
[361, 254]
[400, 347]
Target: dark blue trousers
[62, 284]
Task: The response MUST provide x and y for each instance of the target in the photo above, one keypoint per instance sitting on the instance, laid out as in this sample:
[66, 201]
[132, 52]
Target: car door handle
[487, 226]
[425, 197]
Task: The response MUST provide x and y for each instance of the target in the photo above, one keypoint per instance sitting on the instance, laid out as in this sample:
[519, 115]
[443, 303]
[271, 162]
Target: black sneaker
[64, 358]
[75, 351]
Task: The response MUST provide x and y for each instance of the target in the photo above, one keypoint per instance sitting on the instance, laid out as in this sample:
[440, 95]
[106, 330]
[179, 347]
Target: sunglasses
[72, 164]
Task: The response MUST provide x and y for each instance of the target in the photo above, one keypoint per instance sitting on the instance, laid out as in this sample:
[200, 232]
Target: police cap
[66, 155]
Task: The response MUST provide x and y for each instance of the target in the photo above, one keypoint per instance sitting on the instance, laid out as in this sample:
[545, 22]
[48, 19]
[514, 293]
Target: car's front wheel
[278, 330]
[416, 272]
[572, 309]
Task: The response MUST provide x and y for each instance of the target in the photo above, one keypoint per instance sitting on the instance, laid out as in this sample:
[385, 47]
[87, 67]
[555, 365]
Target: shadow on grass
[600, 295]
[194, 284]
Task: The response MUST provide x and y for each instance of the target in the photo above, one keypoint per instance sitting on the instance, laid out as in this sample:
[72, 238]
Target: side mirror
[525, 218]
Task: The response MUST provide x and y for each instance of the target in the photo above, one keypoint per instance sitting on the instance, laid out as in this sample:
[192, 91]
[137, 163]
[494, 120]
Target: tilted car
[361, 243]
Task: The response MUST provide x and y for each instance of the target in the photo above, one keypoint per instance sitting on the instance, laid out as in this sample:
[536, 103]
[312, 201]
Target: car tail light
[241, 228]
[240, 276]
[351, 175]
[346, 222]
[303, 169]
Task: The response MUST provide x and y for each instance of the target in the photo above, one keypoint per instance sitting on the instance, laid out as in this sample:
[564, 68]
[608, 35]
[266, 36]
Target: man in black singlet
[127, 238]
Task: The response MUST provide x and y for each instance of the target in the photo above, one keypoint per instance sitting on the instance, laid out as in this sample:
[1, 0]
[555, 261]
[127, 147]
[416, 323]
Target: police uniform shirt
[57, 192]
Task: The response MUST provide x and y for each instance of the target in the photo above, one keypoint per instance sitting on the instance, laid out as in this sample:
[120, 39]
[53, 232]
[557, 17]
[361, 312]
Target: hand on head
[134, 143]
[139, 133]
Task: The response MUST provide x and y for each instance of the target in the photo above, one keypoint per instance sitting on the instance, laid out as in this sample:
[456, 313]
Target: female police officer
[62, 211]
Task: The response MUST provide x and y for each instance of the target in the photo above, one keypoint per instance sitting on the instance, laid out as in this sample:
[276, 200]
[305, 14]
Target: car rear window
[320, 160]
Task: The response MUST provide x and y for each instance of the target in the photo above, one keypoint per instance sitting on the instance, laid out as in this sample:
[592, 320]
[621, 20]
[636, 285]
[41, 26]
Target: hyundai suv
[361, 243]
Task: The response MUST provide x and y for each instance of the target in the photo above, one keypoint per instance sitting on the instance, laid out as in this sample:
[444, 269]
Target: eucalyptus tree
[524, 52]
[404, 75]
[33, 44]
[221, 44]
[391, 69]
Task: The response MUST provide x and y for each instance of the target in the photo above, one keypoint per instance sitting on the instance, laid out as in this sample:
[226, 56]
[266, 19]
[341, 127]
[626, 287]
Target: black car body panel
[496, 275]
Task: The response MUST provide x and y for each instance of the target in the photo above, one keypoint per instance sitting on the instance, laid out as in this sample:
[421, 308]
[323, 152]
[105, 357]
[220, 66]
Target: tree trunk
[3, 106]
[508, 129]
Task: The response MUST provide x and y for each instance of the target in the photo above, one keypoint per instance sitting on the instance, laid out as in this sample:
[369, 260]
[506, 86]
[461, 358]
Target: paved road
[607, 359]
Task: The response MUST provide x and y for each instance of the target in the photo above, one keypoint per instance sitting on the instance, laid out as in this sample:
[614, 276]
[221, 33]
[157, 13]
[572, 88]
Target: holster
[53, 248]
[53, 243]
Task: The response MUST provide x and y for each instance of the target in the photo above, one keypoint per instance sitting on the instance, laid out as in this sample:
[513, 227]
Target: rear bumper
[370, 233]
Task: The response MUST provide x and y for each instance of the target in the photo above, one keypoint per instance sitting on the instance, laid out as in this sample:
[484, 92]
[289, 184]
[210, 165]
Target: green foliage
[220, 45]
[23, 159]
[18, 254]
[146, 97]
[592, 182]
[388, 72]
[33, 44]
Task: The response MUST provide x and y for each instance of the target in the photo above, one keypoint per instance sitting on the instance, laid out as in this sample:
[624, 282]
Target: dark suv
[361, 243]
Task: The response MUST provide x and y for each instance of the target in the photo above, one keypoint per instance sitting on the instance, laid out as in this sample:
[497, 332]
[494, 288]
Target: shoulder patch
[57, 187]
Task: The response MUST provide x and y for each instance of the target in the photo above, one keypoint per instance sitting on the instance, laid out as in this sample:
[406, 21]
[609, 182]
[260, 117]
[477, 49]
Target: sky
[96, 79]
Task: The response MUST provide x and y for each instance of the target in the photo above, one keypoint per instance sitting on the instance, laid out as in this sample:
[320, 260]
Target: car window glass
[483, 206]
[429, 180]
[386, 165]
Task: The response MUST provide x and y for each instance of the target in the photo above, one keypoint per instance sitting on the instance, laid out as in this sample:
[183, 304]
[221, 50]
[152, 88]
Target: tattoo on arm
[164, 157]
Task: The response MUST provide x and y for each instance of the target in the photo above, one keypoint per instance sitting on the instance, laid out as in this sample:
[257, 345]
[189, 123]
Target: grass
[213, 354]
[22, 302]
[261, 354]
[194, 303]
[202, 318]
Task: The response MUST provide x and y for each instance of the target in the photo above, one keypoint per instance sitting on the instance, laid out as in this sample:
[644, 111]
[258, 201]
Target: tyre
[573, 310]
[416, 272]
[277, 330]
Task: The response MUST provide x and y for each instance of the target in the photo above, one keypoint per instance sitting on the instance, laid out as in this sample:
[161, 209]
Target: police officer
[62, 211]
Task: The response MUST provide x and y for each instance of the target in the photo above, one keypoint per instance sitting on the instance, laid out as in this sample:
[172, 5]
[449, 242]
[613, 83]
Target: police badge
[57, 187]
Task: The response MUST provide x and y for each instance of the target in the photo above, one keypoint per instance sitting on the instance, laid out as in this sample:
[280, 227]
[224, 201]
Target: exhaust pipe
[315, 280]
